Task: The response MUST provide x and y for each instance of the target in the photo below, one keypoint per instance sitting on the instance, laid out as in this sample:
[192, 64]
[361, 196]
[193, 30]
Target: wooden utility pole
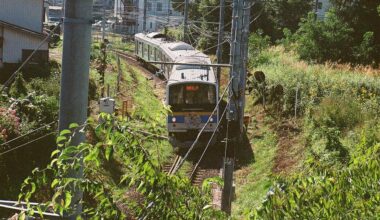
[75, 79]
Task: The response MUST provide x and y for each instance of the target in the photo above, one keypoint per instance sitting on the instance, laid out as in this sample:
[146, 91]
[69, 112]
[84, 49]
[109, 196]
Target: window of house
[159, 6]
[149, 6]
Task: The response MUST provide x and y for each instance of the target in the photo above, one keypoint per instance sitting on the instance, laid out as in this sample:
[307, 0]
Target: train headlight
[174, 119]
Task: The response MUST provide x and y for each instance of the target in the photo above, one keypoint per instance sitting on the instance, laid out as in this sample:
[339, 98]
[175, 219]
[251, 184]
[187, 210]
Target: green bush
[343, 112]
[18, 88]
[351, 192]
[325, 40]
[257, 44]
[365, 52]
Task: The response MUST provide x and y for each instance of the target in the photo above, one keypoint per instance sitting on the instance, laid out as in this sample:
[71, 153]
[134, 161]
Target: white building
[21, 31]
[322, 7]
[159, 13]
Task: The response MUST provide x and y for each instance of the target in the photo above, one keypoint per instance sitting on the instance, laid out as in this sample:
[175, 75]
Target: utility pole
[104, 21]
[235, 117]
[75, 79]
[168, 13]
[219, 51]
[238, 61]
[185, 22]
[144, 22]
[316, 8]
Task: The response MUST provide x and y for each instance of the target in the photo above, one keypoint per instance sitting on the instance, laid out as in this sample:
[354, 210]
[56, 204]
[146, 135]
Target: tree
[363, 17]
[279, 14]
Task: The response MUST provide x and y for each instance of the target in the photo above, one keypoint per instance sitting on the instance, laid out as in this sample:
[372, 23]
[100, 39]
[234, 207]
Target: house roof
[22, 29]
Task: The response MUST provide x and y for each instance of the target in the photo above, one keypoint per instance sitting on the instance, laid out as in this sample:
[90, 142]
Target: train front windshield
[192, 97]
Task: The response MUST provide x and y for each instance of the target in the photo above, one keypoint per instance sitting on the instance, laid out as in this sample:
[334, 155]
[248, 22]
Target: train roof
[192, 74]
[181, 52]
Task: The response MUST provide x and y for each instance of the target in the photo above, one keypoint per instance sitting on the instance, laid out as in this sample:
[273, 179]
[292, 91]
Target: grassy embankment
[148, 112]
[336, 106]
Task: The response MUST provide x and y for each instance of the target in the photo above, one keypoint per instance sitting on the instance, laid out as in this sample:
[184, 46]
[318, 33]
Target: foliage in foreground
[144, 191]
[350, 193]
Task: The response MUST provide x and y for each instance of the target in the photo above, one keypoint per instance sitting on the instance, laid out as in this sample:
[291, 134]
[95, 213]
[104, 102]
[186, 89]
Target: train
[191, 90]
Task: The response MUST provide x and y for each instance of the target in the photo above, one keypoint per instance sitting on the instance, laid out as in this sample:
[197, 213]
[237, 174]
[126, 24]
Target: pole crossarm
[190, 64]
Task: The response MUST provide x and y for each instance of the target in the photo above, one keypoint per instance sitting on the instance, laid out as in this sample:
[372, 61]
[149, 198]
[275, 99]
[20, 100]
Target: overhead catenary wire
[202, 130]
[208, 143]
[29, 58]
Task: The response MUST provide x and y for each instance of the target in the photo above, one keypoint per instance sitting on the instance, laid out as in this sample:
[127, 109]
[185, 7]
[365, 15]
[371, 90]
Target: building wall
[25, 13]
[156, 18]
[323, 7]
[15, 42]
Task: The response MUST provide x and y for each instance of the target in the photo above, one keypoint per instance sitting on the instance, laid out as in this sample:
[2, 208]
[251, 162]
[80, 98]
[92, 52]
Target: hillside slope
[319, 122]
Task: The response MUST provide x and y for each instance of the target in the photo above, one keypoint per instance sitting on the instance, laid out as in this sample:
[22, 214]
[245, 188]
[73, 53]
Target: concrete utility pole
[219, 51]
[235, 116]
[104, 21]
[144, 22]
[185, 22]
[238, 61]
[168, 13]
[75, 77]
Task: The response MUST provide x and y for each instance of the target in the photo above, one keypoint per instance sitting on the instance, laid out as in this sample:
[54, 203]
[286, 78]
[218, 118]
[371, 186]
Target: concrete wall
[25, 13]
[16, 41]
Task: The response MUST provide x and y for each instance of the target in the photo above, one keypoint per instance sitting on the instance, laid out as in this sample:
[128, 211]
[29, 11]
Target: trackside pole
[75, 78]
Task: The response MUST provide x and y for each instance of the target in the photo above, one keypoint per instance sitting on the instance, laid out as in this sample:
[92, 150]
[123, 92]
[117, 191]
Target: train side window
[145, 50]
[149, 49]
[151, 53]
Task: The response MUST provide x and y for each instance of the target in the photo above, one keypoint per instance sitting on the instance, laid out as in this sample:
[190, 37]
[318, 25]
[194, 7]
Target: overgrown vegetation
[136, 188]
[123, 177]
[336, 108]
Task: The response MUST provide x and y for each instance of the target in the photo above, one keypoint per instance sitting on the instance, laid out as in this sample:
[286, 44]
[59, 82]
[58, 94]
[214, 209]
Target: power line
[25, 144]
[27, 134]
[209, 142]
[202, 130]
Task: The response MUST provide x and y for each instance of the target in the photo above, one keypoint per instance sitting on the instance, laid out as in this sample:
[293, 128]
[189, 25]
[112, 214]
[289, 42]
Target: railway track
[159, 84]
[209, 167]
[196, 175]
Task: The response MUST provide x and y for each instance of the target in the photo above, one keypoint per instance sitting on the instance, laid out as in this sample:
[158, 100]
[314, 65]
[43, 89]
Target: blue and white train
[191, 91]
